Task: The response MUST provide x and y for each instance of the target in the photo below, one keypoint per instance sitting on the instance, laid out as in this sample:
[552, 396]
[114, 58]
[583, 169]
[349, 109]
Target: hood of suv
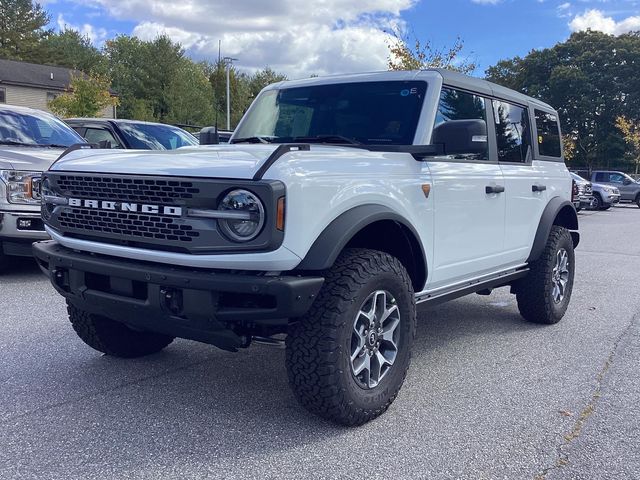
[36, 159]
[240, 161]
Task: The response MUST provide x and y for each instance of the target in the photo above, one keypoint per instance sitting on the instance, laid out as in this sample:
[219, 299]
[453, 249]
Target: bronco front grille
[153, 227]
[126, 224]
[146, 190]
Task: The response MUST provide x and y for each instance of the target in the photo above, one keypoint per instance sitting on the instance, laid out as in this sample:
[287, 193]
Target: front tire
[543, 295]
[114, 338]
[597, 202]
[348, 357]
[637, 200]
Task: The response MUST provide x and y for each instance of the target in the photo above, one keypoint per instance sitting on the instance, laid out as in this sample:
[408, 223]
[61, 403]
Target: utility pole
[228, 61]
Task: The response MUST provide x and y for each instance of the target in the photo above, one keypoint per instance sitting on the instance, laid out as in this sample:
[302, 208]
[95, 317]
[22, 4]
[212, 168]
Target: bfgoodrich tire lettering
[319, 346]
[114, 338]
[544, 294]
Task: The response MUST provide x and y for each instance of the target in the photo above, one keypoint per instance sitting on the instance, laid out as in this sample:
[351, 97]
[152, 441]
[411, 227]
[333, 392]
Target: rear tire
[114, 338]
[336, 357]
[544, 294]
[637, 200]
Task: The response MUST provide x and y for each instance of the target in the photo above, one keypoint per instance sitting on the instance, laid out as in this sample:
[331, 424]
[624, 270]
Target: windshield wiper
[255, 139]
[53, 145]
[327, 139]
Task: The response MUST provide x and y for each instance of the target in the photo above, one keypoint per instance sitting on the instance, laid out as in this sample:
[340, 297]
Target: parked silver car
[30, 141]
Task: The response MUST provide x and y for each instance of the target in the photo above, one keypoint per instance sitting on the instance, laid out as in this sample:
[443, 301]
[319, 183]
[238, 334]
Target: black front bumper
[204, 305]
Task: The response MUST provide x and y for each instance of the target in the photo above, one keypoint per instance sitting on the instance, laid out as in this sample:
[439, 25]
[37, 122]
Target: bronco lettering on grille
[126, 207]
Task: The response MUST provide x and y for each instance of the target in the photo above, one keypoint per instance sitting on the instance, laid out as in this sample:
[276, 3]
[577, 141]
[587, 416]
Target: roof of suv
[449, 77]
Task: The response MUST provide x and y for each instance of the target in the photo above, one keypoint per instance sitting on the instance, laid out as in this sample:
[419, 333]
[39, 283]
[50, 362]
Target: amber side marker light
[280, 215]
[426, 189]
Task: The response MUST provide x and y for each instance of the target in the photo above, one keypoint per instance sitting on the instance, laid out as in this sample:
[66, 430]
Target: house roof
[25, 74]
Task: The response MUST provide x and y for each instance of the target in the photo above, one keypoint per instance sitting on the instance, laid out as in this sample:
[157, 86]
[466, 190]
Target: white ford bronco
[340, 204]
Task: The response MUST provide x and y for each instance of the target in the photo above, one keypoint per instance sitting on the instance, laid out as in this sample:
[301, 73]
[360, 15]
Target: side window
[97, 135]
[602, 177]
[616, 178]
[512, 132]
[3, 95]
[456, 105]
[548, 134]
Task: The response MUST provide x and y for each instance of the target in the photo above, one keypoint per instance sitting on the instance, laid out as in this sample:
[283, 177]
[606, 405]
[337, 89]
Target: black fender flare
[556, 206]
[343, 228]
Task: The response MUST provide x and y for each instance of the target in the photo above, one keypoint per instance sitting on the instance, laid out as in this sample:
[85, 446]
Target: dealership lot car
[629, 189]
[131, 134]
[30, 140]
[340, 204]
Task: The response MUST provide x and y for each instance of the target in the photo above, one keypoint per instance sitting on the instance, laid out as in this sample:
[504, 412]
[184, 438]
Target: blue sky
[335, 36]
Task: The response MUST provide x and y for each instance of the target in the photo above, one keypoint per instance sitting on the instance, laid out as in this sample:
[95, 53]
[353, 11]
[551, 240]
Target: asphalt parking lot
[488, 396]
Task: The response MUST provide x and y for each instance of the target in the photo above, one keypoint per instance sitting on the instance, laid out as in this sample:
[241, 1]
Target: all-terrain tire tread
[313, 348]
[114, 338]
[534, 302]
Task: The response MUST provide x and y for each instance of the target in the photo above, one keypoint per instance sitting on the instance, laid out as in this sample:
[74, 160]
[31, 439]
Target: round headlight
[249, 218]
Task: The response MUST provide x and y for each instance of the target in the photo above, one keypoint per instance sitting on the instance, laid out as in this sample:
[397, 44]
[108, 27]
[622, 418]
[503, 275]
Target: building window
[3, 95]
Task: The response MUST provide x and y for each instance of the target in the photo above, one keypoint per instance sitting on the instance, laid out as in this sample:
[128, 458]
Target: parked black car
[131, 134]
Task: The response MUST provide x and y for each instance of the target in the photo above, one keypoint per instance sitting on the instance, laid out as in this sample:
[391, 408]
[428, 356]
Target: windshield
[147, 136]
[26, 129]
[366, 112]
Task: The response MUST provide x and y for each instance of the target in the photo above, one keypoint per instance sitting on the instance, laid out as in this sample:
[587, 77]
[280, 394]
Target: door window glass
[548, 134]
[602, 177]
[512, 132]
[457, 105]
[97, 135]
[616, 178]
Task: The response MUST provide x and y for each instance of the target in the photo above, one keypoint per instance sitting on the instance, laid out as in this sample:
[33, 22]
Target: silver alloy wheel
[374, 339]
[560, 275]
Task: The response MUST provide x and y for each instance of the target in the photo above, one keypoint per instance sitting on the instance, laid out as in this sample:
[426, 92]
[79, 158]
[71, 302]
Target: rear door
[525, 188]
[469, 216]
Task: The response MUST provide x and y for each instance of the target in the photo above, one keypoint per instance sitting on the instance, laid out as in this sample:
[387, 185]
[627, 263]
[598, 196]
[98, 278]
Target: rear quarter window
[548, 134]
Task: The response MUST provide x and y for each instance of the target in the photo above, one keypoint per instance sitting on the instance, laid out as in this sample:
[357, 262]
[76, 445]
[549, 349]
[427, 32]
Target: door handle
[494, 189]
[538, 188]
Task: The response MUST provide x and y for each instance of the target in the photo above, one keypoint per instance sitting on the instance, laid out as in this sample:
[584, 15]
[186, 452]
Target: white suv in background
[340, 204]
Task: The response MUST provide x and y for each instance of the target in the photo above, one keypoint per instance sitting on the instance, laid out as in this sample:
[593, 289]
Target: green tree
[406, 53]
[262, 78]
[22, 27]
[239, 86]
[189, 96]
[69, 48]
[591, 79]
[143, 71]
[86, 97]
[631, 133]
[125, 60]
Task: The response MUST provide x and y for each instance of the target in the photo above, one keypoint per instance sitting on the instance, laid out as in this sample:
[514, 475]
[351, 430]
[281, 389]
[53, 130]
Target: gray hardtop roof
[456, 79]
[449, 77]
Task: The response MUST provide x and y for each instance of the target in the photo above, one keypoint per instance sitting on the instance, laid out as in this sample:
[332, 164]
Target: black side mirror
[626, 181]
[209, 136]
[462, 137]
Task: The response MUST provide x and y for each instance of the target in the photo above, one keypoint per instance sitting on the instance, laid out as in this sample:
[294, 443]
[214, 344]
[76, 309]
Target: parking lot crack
[562, 454]
[95, 393]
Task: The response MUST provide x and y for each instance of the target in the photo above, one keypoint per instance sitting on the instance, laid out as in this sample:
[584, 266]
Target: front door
[469, 205]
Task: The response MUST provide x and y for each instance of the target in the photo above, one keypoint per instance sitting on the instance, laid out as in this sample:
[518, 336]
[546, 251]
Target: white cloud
[563, 10]
[487, 2]
[596, 20]
[96, 35]
[293, 36]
